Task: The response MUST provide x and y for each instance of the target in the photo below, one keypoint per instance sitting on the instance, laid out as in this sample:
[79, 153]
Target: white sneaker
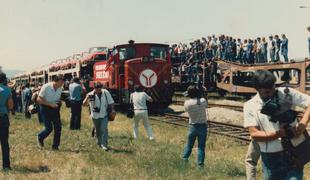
[103, 147]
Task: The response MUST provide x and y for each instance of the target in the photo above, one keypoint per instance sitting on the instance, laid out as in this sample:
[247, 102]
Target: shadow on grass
[26, 170]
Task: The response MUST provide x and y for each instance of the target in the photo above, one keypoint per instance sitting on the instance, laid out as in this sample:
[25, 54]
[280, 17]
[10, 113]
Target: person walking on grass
[6, 104]
[196, 108]
[49, 99]
[99, 100]
[138, 99]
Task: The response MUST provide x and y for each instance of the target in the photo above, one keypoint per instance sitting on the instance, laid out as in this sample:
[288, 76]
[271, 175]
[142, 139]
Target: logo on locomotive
[148, 78]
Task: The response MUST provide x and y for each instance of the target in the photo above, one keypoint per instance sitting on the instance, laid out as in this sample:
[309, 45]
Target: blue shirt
[27, 94]
[5, 94]
[75, 91]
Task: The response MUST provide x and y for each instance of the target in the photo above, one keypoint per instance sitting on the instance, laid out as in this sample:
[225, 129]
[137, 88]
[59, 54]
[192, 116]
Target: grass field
[80, 158]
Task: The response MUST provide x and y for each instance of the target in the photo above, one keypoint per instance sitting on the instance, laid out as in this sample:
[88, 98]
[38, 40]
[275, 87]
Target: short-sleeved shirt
[254, 118]
[5, 94]
[101, 102]
[26, 94]
[75, 91]
[196, 110]
[49, 94]
[139, 100]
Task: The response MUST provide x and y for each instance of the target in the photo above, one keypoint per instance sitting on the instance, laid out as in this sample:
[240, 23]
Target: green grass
[80, 158]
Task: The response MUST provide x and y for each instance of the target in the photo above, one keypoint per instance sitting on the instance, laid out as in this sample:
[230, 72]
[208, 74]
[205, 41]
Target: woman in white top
[139, 98]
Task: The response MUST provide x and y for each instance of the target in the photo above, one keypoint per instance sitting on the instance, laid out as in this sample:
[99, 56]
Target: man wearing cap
[99, 100]
[49, 99]
[6, 104]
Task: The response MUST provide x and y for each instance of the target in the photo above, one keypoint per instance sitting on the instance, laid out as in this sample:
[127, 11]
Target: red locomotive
[145, 64]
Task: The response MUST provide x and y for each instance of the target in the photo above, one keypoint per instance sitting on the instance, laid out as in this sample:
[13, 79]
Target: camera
[59, 104]
[91, 97]
[272, 108]
[96, 109]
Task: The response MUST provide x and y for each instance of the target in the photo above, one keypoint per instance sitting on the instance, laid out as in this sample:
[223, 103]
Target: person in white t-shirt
[138, 99]
[99, 100]
[196, 109]
[268, 132]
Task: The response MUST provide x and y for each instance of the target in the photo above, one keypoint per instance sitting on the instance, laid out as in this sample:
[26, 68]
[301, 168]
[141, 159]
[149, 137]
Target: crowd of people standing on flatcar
[244, 51]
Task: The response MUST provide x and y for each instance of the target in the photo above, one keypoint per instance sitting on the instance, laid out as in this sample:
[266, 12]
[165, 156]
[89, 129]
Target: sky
[35, 32]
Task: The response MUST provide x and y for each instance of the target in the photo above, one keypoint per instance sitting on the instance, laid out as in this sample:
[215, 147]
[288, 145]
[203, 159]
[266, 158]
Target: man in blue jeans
[49, 99]
[196, 108]
[6, 104]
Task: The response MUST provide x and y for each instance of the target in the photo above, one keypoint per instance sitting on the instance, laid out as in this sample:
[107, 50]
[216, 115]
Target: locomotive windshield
[100, 57]
[158, 52]
[127, 53]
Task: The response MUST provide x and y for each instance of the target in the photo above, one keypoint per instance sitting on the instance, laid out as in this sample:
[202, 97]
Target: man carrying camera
[270, 120]
[49, 99]
[99, 101]
[6, 104]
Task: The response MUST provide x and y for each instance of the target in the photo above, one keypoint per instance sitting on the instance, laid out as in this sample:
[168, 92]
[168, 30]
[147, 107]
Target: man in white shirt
[267, 132]
[138, 99]
[99, 100]
[49, 99]
[196, 108]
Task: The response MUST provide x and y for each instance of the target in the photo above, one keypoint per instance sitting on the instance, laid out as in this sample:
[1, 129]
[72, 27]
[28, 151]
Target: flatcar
[145, 64]
[237, 78]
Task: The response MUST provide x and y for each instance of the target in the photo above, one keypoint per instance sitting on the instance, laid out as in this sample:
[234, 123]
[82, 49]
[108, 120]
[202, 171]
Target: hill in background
[11, 72]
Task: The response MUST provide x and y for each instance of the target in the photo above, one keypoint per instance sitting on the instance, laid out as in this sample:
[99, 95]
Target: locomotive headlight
[166, 81]
[130, 82]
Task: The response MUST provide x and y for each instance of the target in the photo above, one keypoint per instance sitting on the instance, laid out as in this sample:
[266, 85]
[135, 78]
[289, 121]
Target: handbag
[111, 116]
[299, 154]
[130, 112]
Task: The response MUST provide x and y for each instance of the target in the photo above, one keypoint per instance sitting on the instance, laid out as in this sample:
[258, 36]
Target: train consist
[119, 69]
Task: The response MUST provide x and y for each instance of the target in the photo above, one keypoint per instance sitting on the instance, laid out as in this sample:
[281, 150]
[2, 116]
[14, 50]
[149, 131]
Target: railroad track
[237, 132]
[210, 105]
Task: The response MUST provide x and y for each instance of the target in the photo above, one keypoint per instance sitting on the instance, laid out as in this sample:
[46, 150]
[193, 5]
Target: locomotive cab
[144, 64]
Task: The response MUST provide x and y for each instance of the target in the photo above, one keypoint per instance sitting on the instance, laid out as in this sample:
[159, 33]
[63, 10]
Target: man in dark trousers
[76, 91]
[49, 99]
[6, 104]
